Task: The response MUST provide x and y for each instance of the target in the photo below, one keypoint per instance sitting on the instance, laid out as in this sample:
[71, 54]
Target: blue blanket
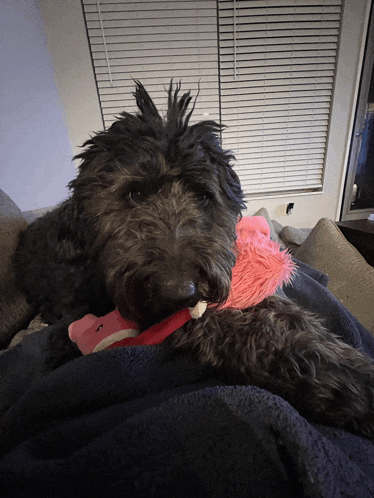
[151, 422]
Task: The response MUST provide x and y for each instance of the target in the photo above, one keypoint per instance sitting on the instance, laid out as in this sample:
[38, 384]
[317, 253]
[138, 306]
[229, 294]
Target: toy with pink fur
[261, 267]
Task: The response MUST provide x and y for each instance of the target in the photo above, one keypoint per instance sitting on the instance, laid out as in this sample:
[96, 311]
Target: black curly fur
[277, 346]
[150, 228]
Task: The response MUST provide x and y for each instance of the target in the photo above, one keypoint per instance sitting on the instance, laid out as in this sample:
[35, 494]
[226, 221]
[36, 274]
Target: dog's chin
[144, 310]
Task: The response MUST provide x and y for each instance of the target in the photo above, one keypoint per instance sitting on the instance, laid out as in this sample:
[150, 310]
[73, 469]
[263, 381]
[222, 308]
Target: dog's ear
[75, 234]
[206, 134]
[230, 185]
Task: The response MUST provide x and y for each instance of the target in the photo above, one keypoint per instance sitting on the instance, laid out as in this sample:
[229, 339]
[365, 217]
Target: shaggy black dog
[150, 223]
[150, 228]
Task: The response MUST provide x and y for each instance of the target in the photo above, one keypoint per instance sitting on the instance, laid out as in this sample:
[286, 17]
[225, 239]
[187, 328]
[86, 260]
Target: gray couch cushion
[351, 277]
[14, 310]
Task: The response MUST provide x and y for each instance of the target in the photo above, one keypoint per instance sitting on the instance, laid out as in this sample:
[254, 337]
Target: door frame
[366, 74]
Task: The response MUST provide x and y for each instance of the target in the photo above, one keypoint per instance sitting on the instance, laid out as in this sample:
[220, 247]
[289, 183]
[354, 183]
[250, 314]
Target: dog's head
[164, 200]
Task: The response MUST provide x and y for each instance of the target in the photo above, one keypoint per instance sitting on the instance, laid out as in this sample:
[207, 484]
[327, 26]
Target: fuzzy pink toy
[261, 267]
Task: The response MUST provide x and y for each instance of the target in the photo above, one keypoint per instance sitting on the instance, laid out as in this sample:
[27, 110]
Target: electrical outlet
[289, 208]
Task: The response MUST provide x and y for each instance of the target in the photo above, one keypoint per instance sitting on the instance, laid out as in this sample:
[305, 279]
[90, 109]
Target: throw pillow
[351, 277]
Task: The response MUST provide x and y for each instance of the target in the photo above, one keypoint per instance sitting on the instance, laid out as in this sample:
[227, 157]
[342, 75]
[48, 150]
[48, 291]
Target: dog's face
[165, 201]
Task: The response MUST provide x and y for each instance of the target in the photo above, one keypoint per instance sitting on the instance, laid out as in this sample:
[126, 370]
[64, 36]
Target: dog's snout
[180, 293]
[149, 300]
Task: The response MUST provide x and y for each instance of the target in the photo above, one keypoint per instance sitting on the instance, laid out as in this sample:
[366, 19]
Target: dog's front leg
[284, 349]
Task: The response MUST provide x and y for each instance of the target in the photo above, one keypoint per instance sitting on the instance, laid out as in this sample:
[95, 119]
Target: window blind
[277, 67]
[153, 41]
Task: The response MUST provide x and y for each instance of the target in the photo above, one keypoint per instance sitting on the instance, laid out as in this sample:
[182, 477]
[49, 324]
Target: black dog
[150, 228]
[150, 223]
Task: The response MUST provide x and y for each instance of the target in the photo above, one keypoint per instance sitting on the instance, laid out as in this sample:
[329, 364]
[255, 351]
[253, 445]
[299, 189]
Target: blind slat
[165, 36]
[276, 27]
[123, 5]
[184, 46]
[210, 80]
[291, 32]
[228, 4]
[275, 70]
[155, 73]
[297, 57]
[142, 18]
[120, 56]
[254, 158]
[135, 64]
[281, 44]
[171, 29]
[276, 168]
[276, 10]
[284, 84]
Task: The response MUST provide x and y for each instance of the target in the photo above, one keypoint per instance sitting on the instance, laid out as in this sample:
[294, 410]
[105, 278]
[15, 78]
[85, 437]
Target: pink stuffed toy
[261, 267]
[93, 334]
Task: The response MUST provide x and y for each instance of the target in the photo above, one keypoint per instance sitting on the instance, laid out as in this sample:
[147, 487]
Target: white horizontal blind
[153, 41]
[277, 66]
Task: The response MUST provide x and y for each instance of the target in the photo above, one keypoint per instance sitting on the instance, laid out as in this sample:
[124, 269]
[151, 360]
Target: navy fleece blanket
[150, 422]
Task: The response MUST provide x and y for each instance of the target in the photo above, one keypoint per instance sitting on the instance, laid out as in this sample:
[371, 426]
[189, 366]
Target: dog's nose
[180, 293]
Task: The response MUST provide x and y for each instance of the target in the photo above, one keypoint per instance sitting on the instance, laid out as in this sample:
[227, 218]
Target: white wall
[35, 154]
[68, 45]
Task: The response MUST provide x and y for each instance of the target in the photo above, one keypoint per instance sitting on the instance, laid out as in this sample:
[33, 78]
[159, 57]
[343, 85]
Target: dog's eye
[136, 195]
[204, 199]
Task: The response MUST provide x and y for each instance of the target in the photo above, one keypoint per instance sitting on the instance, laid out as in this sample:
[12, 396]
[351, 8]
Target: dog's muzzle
[148, 300]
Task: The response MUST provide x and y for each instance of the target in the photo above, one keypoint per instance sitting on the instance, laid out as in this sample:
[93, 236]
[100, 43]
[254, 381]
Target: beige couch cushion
[351, 277]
